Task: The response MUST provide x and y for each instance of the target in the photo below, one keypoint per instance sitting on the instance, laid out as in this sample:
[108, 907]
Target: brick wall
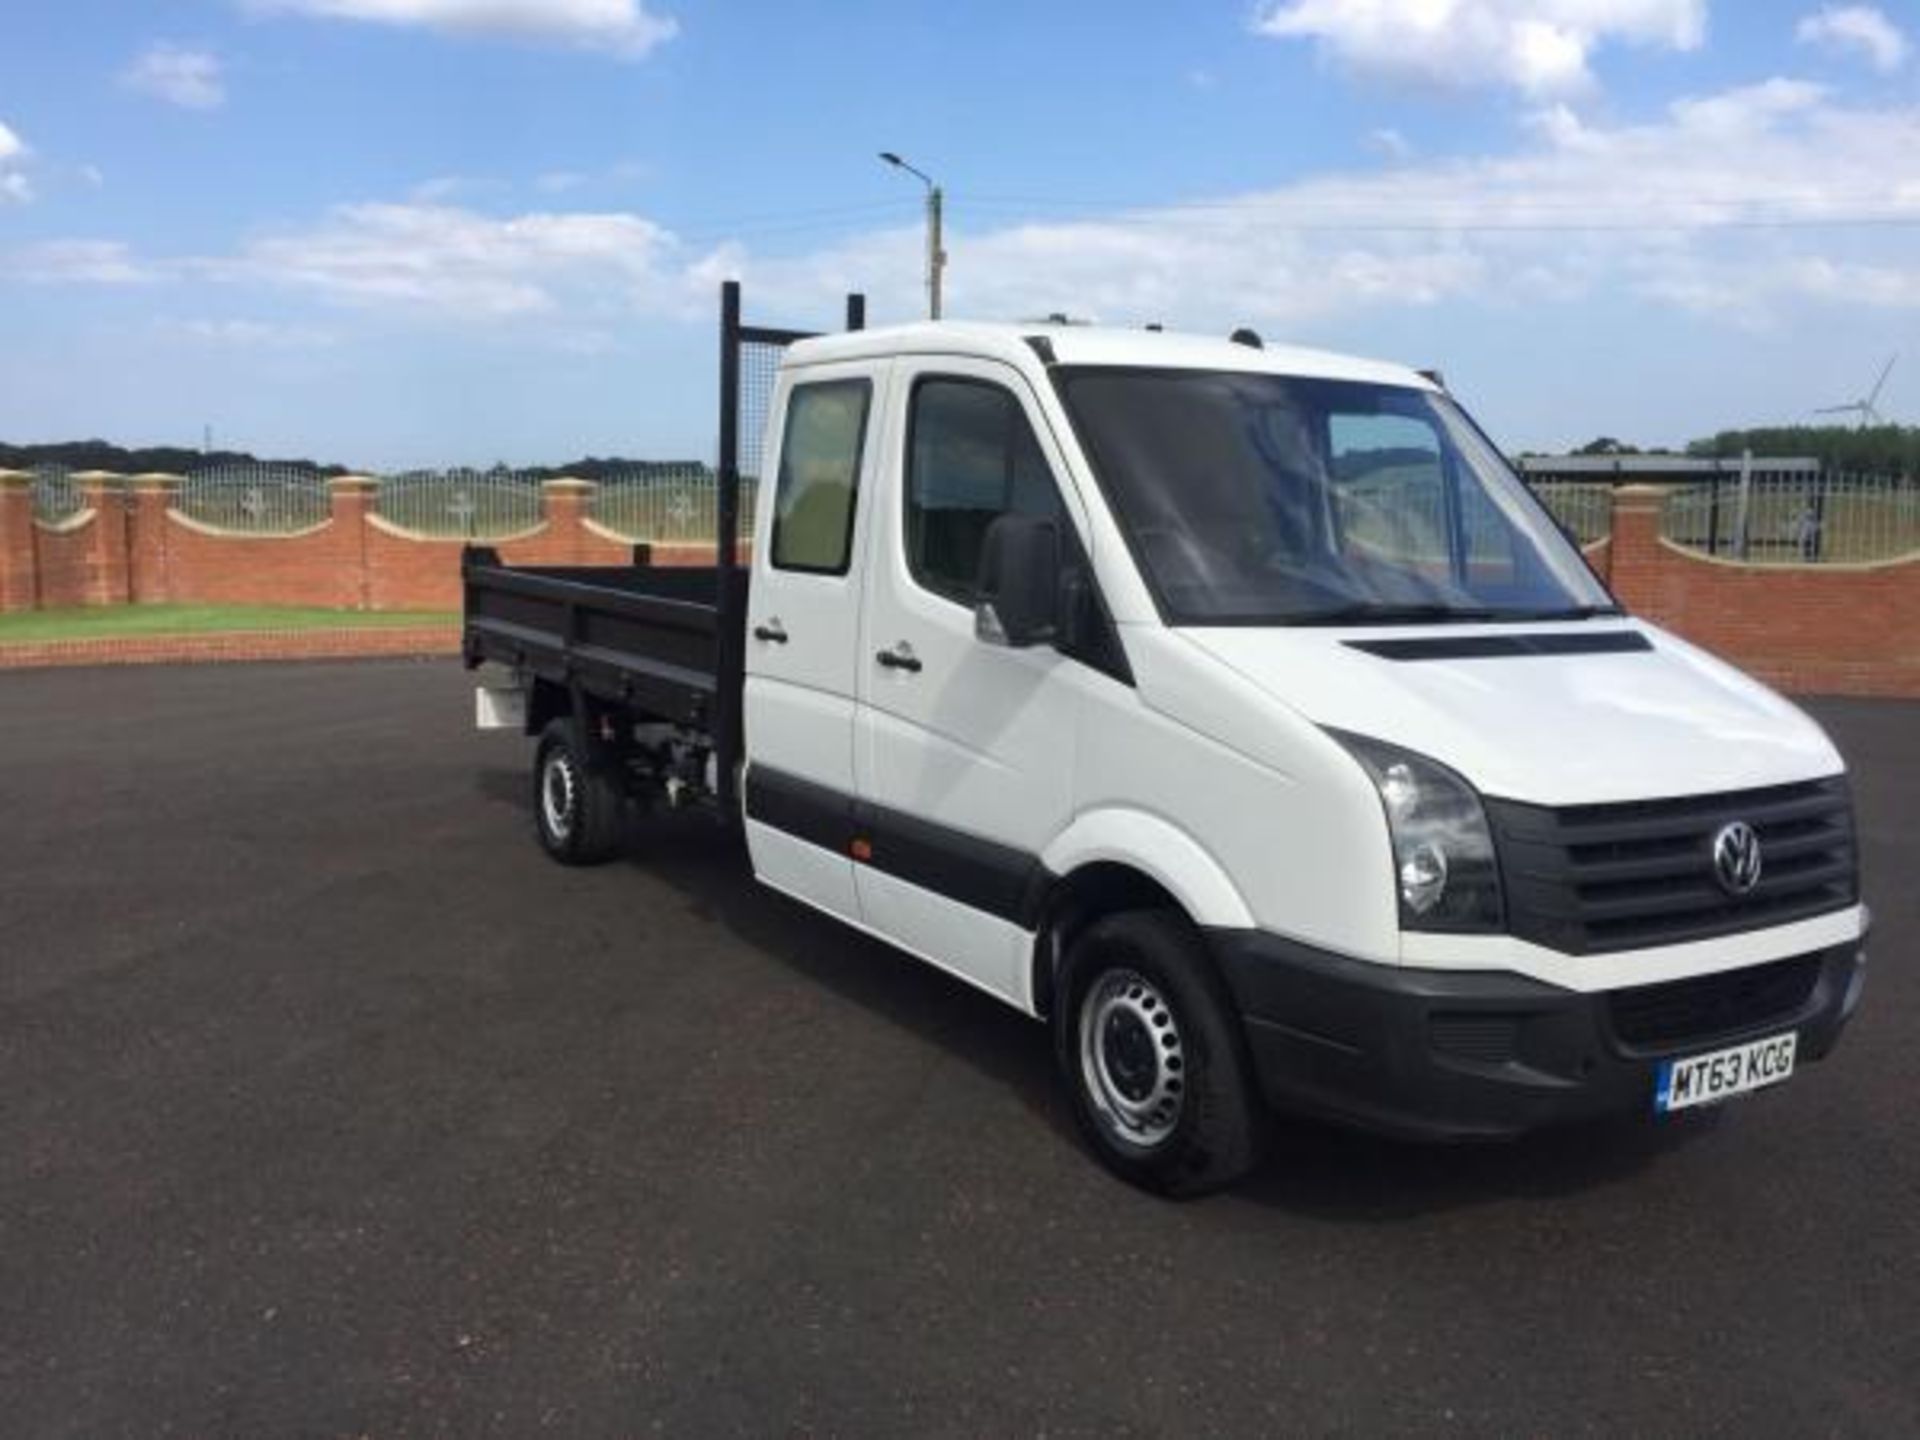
[1813, 629]
[83, 560]
[1833, 629]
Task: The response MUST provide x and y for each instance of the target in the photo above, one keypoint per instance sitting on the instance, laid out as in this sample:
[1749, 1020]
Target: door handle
[773, 631]
[900, 657]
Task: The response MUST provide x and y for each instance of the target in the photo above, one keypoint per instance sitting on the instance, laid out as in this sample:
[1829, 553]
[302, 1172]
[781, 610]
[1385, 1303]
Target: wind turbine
[1865, 408]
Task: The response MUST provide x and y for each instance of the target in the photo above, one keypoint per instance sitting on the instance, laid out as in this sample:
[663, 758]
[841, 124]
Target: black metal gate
[749, 364]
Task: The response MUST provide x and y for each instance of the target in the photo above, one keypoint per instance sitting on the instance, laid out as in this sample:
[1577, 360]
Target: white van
[1236, 711]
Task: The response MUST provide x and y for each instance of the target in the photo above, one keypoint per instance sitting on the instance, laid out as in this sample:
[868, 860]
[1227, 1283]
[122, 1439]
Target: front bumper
[1467, 1055]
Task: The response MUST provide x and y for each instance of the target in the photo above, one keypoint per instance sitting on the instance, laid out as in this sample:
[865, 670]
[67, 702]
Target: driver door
[965, 750]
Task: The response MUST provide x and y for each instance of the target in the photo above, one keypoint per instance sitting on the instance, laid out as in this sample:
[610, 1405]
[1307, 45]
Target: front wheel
[578, 813]
[1150, 1048]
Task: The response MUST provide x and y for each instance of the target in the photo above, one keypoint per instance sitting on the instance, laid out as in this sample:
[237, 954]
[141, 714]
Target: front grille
[1588, 878]
[1707, 1007]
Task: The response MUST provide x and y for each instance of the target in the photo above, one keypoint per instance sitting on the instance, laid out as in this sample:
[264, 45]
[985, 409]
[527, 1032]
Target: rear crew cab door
[965, 755]
[802, 630]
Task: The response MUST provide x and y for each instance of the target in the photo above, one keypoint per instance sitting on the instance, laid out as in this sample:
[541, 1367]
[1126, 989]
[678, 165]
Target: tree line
[161, 459]
[1873, 449]
[180, 460]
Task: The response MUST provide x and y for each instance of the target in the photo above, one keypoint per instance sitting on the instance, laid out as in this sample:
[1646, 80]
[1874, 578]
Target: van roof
[1097, 345]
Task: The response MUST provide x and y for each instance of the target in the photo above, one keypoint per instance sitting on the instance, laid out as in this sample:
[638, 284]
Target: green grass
[118, 622]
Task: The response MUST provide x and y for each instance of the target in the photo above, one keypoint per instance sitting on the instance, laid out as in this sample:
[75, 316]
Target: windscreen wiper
[1369, 612]
[1568, 612]
[1373, 612]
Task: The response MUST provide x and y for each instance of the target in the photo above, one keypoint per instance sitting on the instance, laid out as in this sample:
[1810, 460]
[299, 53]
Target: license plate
[1708, 1079]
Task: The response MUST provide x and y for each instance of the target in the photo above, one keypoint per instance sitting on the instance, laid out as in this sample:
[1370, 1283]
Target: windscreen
[1270, 499]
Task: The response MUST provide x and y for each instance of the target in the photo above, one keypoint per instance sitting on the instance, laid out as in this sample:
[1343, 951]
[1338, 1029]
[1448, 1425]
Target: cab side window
[971, 457]
[819, 476]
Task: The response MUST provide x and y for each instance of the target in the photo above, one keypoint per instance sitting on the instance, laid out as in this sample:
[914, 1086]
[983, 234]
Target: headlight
[1442, 850]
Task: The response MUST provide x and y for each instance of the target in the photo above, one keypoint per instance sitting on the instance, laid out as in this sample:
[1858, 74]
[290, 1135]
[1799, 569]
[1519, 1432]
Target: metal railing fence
[656, 506]
[55, 496]
[1583, 508]
[1797, 519]
[473, 504]
[256, 499]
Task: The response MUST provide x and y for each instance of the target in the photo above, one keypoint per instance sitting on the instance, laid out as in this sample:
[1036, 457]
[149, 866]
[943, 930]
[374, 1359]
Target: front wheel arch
[1078, 900]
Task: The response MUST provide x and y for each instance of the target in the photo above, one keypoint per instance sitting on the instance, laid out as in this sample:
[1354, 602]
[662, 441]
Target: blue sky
[399, 232]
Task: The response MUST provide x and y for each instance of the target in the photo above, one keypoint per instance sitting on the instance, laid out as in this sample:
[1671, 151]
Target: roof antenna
[1248, 338]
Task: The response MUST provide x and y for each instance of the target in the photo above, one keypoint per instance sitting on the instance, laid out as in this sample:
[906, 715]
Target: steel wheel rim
[559, 794]
[1132, 1058]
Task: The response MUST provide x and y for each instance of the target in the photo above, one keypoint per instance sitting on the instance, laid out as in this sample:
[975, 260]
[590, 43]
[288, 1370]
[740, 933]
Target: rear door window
[819, 480]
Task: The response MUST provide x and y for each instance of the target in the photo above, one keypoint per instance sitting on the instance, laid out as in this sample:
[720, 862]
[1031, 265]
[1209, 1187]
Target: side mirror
[1019, 585]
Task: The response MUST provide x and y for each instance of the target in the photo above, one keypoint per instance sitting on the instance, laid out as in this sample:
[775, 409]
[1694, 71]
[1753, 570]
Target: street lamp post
[936, 255]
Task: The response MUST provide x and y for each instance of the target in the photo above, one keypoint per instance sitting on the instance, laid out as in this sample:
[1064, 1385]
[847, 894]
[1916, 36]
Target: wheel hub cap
[558, 790]
[1133, 1058]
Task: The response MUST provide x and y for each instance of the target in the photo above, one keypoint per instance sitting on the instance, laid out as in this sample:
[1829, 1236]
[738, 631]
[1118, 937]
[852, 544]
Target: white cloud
[1824, 207]
[76, 262]
[565, 181]
[187, 78]
[1539, 47]
[1861, 29]
[1389, 142]
[1822, 210]
[15, 188]
[457, 263]
[1747, 110]
[443, 189]
[249, 334]
[620, 27]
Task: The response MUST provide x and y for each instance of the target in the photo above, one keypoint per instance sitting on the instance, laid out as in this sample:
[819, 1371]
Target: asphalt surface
[328, 1106]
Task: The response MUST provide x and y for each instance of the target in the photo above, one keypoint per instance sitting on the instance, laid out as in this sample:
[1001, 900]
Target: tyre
[1152, 1053]
[578, 813]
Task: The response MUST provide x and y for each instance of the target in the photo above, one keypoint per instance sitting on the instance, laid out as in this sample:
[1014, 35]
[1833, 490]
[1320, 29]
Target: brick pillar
[351, 499]
[149, 572]
[104, 493]
[565, 502]
[1638, 568]
[19, 584]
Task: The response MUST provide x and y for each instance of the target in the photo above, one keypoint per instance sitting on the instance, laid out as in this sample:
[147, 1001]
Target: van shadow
[1313, 1169]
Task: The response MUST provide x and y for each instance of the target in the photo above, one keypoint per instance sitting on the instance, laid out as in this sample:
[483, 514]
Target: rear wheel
[578, 813]
[1150, 1047]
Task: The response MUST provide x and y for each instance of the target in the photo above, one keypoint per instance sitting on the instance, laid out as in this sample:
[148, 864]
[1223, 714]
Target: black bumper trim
[1466, 1054]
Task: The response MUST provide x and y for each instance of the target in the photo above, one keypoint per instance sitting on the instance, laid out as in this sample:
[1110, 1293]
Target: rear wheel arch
[547, 700]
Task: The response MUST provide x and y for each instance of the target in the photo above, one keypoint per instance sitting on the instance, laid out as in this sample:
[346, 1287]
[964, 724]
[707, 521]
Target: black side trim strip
[814, 813]
[982, 873]
[1496, 647]
[999, 879]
